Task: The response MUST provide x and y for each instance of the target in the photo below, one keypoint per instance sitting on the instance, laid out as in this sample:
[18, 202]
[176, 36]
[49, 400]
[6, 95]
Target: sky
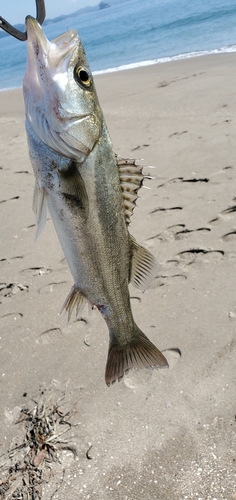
[15, 11]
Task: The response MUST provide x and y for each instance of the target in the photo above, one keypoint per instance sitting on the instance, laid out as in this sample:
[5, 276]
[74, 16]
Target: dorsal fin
[39, 208]
[131, 180]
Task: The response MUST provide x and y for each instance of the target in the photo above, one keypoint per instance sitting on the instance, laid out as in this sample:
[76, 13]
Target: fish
[90, 194]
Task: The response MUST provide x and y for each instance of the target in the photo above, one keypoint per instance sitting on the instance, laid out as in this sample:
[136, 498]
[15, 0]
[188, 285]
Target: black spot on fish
[73, 200]
[36, 49]
[73, 190]
[70, 170]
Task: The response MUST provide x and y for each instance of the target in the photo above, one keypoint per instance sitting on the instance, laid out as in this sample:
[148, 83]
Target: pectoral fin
[39, 208]
[73, 190]
[144, 267]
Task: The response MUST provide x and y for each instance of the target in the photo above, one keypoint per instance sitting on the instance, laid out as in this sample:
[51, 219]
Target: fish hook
[22, 35]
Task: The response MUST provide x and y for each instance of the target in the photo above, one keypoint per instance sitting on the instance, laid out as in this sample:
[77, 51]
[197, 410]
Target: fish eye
[82, 76]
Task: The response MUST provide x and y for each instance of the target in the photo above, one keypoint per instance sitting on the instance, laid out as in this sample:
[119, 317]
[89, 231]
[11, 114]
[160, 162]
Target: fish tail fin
[140, 352]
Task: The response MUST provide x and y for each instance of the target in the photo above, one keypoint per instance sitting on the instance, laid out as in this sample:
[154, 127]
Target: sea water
[136, 33]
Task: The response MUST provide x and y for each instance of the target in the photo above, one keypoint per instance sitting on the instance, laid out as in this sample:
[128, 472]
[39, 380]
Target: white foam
[10, 88]
[230, 48]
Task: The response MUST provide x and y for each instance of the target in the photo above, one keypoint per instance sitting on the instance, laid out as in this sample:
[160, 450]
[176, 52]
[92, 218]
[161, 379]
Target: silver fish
[89, 191]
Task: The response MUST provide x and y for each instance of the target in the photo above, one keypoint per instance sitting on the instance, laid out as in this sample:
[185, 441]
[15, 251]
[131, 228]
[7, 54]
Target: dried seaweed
[28, 465]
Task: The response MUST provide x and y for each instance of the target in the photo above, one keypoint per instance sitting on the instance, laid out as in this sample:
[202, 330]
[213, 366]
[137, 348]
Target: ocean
[136, 33]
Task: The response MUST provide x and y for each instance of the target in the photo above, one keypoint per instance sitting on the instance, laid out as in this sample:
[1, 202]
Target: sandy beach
[156, 435]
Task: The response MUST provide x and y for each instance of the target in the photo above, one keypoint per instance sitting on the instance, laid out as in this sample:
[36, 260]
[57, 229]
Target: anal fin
[73, 300]
[144, 267]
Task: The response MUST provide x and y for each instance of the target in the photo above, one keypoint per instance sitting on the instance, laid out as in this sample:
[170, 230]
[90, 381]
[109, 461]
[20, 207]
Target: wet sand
[157, 434]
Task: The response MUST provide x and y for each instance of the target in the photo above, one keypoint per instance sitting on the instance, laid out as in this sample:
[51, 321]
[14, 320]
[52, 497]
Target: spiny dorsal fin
[131, 180]
[144, 267]
[39, 208]
[73, 300]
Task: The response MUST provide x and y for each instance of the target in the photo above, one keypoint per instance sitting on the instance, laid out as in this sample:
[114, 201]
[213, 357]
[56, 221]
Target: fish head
[61, 103]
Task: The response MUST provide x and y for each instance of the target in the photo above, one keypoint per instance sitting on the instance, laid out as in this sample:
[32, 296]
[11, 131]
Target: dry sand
[158, 434]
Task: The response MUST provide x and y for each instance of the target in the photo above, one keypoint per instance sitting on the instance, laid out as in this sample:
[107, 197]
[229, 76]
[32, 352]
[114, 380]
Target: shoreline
[162, 60]
[153, 62]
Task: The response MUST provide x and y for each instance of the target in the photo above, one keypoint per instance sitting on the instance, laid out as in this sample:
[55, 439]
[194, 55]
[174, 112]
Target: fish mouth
[45, 58]
[51, 52]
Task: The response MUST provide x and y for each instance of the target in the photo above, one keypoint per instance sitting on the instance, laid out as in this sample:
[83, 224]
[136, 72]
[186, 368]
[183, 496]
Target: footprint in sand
[191, 255]
[138, 147]
[28, 227]
[10, 199]
[9, 319]
[53, 335]
[173, 356]
[178, 133]
[137, 378]
[177, 232]
[21, 172]
[50, 287]
[6, 259]
[138, 299]
[162, 209]
[179, 235]
[181, 179]
[166, 235]
[165, 280]
[165, 83]
[231, 236]
[36, 271]
[227, 213]
[7, 290]
[14, 316]
[49, 336]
